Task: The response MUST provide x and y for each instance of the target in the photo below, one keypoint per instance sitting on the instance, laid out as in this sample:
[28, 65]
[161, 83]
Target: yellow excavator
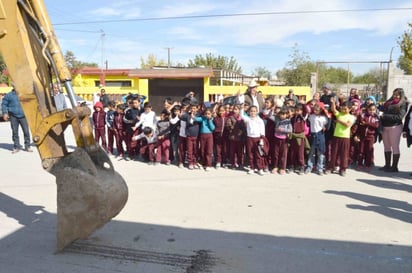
[89, 191]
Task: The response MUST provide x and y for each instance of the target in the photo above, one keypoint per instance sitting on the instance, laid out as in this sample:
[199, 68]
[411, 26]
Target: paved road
[219, 221]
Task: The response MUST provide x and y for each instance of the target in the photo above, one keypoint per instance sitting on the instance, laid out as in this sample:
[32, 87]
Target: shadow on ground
[139, 247]
[391, 208]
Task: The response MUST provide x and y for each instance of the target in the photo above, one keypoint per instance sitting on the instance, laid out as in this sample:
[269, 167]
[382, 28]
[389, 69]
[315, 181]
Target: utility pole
[102, 65]
[168, 56]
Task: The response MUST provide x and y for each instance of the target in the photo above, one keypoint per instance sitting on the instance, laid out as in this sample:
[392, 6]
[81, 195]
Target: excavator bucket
[89, 194]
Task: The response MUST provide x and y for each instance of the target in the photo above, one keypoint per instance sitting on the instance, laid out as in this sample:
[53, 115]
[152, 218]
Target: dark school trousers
[100, 134]
[366, 151]
[256, 161]
[206, 149]
[237, 152]
[340, 153]
[119, 137]
[110, 140]
[182, 149]
[280, 153]
[163, 150]
[220, 143]
[297, 153]
[191, 150]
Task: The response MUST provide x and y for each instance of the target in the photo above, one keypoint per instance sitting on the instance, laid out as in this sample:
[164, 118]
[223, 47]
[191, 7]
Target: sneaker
[190, 167]
[15, 150]
[261, 172]
[307, 171]
[326, 172]
[207, 169]
[274, 170]
[250, 172]
[218, 165]
[157, 163]
[28, 149]
[342, 173]
[319, 173]
[167, 163]
[282, 172]
[150, 163]
[180, 165]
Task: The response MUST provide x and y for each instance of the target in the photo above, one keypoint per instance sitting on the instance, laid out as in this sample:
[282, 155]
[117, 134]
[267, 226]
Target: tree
[373, 76]
[219, 62]
[3, 68]
[151, 61]
[73, 64]
[298, 69]
[405, 43]
[262, 72]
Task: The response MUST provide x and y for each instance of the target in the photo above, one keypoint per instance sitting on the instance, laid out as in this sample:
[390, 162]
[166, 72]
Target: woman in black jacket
[394, 110]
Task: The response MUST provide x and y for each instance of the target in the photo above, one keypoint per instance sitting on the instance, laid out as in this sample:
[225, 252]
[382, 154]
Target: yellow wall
[84, 86]
[266, 90]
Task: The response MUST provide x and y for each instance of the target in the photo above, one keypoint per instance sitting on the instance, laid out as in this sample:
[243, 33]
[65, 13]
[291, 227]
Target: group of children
[293, 137]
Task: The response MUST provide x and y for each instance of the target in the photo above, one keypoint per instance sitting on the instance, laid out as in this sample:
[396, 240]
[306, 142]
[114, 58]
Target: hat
[327, 86]
[253, 83]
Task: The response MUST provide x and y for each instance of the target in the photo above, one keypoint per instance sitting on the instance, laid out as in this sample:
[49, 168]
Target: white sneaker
[261, 172]
[250, 172]
[207, 169]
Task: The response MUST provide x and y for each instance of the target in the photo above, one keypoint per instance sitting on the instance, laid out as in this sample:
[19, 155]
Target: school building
[161, 82]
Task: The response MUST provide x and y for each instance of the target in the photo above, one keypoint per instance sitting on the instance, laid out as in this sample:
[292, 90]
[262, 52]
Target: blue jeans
[15, 122]
[311, 160]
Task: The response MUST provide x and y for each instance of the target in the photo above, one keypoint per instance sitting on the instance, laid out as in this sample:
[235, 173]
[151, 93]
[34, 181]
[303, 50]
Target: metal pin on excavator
[89, 191]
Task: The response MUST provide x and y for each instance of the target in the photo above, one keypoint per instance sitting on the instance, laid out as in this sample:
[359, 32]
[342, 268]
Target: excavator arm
[89, 191]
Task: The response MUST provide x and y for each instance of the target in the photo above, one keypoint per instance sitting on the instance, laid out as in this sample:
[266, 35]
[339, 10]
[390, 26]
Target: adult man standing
[104, 98]
[253, 97]
[11, 109]
[327, 95]
[59, 98]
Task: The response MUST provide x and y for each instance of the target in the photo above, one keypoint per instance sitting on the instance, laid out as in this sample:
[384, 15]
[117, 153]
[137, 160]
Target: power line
[233, 15]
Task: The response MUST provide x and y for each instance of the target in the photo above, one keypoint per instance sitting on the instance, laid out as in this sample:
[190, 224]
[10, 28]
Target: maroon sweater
[99, 119]
[367, 126]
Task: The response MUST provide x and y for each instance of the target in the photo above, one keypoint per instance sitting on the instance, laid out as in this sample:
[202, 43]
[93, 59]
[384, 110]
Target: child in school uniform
[318, 122]
[163, 138]
[366, 129]
[267, 115]
[148, 139]
[220, 139]
[174, 133]
[283, 127]
[192, 132]
[147, 118]
[99, 124]
[130, 118]
[109, 123]
[206, 138]
[298, 140]
[236, 128]
[341, 137]
[255, 128]
[118, 127]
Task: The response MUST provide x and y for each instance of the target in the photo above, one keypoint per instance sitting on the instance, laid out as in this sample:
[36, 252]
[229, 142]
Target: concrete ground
[220, 221]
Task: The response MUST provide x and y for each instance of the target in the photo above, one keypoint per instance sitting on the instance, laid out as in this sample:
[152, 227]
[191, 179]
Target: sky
[256, 33]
